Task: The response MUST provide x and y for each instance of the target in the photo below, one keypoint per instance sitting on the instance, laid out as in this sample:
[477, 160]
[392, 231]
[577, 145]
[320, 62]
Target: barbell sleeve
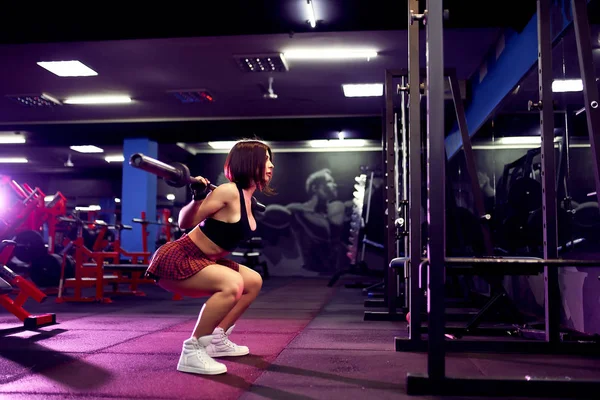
[161, 169]
[156, 167]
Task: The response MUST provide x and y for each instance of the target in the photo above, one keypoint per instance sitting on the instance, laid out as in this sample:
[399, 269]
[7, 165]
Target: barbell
[175, 174]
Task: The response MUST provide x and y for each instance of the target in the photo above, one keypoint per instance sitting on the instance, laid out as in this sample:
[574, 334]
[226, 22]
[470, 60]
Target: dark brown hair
[245, 164]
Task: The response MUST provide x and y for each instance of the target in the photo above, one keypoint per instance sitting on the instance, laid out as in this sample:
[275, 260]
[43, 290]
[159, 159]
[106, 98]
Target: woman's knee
[257, 281]
[252, 281]
[234, 286]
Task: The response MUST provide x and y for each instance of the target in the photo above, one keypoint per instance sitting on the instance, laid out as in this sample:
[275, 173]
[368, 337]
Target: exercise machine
[435, 381]
[13, 284]
[97, 269]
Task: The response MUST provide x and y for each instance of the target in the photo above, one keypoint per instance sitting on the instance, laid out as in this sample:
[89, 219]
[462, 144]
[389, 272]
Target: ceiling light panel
[114, 158]
[337, 143]
[329, 54]
[13, 160]
[227, 145]
[114, 99]
[363, 90]
[567, 85]
[69, 68]
[87, 149]
[12, 138]
[312, 20]
[262, 62]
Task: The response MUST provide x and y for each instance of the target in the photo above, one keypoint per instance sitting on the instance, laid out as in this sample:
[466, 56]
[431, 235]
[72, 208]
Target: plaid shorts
[180, 259]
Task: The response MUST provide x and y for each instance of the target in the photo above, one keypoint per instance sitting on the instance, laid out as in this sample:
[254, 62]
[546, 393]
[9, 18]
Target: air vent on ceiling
[193, 96]
[262, 62]
[35, 100]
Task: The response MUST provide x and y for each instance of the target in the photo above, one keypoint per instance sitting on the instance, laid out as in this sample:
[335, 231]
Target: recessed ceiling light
[12, 138]
[329, 54]
[567, 85]
[67, 68]
[87, 149]
[116, 158]
[13, 160]
[363, 90]
[338, 143]
[312, 20]
[226, 145]
[98, 100]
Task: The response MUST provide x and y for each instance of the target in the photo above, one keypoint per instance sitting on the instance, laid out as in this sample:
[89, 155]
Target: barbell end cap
[135, 159]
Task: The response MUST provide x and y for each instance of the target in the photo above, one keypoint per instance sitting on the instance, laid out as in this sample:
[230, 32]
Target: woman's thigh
[211, 279]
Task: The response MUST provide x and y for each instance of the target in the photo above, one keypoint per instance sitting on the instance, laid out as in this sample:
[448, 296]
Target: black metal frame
[389, 172]
[391, 197]
[413, 246]
[415, 199]
[393, 203]
[435, 381]
[391, 288]
[549, 214]
[436, 189]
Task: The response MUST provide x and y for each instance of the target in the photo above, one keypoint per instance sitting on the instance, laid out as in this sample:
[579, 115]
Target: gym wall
[298, 239]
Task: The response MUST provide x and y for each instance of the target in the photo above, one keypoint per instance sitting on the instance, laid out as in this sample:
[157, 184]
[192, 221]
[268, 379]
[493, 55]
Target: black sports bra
[228, 235]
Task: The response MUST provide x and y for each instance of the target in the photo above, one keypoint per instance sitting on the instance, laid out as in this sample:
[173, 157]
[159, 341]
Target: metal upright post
[403, 170]
[550, 232]
[403, 161]
[590, 89]
[390, 186]
[414, 170]
[436, 171]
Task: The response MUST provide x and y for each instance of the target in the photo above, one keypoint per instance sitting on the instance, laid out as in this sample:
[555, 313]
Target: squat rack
[435, 381]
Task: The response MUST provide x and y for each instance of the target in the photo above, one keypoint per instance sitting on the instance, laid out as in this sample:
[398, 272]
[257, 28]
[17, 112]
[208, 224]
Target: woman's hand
[200, 187]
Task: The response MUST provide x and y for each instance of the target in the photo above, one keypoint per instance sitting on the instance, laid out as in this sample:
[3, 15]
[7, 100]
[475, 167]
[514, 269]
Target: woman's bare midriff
[206, 246]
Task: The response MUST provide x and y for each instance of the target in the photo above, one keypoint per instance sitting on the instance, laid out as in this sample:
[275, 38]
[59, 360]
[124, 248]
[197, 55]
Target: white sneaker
[221, 346]
[195, 359]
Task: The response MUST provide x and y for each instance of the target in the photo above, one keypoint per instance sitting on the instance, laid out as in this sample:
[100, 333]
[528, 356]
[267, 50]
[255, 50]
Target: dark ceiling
[57, 23]
[148, 52]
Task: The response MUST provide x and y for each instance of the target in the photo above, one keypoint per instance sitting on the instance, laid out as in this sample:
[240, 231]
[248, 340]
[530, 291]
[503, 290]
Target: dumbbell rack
[357, 223]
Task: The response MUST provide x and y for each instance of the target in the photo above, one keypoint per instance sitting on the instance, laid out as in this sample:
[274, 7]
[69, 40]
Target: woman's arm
[198, 210]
